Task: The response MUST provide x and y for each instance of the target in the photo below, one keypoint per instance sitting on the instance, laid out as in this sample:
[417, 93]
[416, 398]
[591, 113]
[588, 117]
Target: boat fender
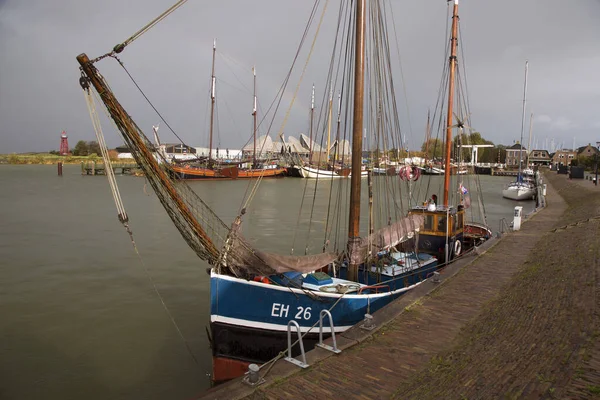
[416, 173]
[457, 248]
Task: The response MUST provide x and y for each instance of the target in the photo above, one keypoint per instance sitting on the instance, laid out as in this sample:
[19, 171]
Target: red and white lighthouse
[64, 144]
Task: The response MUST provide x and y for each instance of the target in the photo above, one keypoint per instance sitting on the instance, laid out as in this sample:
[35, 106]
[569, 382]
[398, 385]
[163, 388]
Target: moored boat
[522, 188]
[446, 233]
[256, 296]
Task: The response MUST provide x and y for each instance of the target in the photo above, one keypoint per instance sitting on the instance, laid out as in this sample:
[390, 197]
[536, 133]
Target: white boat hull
[519, 192]
[314, 173]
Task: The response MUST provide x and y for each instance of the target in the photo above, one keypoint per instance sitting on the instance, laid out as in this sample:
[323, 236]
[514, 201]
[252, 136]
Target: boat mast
[329, 124]
[523, 119]
[212, 102]
[529, 144]
[357, 129]
[312, 115]
[254, 115]
[427, 136]
[337, 133]
[452, 61]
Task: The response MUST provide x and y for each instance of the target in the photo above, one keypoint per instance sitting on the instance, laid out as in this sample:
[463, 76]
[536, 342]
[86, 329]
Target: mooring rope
[272, 361]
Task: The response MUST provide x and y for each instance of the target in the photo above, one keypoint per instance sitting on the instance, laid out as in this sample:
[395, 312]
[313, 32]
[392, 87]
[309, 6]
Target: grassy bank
[47, 158]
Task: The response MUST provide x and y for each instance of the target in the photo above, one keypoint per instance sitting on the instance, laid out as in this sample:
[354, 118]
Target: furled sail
[389, 236]
[244, 261]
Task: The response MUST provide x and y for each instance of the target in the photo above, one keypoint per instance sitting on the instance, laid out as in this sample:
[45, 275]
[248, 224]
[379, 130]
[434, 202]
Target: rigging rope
[121, 209]
[103, 149]
[284, 123]
[119, 48]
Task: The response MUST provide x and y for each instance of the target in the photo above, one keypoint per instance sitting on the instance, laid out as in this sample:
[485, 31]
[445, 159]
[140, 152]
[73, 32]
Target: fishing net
[210, 238]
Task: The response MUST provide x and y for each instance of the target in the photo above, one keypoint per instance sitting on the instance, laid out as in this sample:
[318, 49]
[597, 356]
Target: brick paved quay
[522, 320]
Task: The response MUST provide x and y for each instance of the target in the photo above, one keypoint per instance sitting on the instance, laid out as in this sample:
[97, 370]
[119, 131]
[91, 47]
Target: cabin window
[441, 224]
[455, 222]
[428, 224]
[460, 221]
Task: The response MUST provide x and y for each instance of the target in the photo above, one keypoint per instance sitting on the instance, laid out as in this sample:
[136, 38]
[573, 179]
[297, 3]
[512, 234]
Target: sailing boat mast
[329, 124]
[254, 117]
[452, 61]
[523, 119]
[529, 143]
[357, 129]
[337, 133]
[427, 137]
[312, 114]
[212, 102]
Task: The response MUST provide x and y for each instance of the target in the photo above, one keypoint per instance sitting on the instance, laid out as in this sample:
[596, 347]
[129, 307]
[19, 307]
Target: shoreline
[52, 159]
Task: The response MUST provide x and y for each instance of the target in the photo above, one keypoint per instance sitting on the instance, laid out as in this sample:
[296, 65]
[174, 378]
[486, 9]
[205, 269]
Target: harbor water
[80, 315]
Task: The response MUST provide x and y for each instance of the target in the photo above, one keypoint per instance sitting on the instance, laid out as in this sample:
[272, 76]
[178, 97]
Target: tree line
[434, 149]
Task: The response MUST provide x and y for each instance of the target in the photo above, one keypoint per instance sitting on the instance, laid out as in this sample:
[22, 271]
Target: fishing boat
[521, 188]
[257, 295]
[446, 232]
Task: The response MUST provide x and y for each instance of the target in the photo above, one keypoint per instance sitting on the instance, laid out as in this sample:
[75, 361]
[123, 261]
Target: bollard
[60, 168]
[517, 218]
[368, 323]
[252, 377]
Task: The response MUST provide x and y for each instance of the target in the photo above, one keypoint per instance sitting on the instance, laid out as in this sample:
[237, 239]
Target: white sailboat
[521, 189]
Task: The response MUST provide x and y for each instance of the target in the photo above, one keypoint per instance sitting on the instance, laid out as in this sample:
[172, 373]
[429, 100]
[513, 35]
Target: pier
[521, 319]
[93, 168]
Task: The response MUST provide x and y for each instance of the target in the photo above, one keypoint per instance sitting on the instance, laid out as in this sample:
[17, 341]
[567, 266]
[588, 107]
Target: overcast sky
[40, 94]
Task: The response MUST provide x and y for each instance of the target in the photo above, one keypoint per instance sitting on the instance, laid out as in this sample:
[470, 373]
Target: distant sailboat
[521, 189]
[213, 169]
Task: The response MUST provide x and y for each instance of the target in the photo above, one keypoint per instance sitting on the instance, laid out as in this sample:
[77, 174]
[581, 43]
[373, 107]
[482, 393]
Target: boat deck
[430, 334]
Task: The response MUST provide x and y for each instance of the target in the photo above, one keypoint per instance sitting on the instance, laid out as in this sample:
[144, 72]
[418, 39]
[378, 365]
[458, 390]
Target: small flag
[463, 189]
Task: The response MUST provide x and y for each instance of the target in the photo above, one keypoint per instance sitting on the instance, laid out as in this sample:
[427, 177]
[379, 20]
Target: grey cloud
[40, 96]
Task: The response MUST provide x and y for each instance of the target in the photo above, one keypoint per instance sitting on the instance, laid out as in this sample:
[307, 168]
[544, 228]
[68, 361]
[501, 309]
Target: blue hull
[249, 319]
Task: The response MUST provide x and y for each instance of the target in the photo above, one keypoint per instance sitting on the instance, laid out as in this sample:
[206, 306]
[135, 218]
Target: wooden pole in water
[60, 168]
[357, 131]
